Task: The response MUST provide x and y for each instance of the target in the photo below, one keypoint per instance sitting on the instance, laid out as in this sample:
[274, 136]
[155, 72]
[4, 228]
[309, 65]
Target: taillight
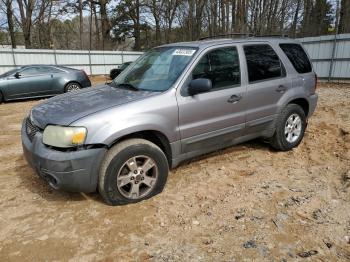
[84, 73]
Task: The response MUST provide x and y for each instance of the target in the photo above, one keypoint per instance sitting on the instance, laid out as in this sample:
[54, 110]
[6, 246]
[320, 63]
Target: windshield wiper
[128, 86]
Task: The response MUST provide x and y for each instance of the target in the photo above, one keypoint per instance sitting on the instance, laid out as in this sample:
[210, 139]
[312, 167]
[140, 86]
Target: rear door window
[297, 57]
[50, 70]
[263, 63]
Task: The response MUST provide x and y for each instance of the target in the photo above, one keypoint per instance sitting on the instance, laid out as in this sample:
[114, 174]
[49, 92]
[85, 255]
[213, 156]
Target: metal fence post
[90, 62]
[332, 59]
[334, 43]
[54, 55]
[13, 57]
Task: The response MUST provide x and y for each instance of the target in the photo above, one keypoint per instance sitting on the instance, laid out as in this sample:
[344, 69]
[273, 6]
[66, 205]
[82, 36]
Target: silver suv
[175, 102]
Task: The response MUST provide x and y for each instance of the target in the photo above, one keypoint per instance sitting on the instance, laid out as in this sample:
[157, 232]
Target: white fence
[330, 56]
[93, 62]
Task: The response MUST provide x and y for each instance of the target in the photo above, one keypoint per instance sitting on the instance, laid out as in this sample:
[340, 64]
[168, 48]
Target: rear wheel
[290, 128]
[73, 86]
[132, 171]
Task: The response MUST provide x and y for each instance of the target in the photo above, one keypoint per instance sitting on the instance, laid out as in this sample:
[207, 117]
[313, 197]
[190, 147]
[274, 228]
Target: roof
[219, 41]
[57, 66]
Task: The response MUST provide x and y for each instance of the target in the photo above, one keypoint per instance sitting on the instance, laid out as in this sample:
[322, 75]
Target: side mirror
[200, 85]
[17, 75]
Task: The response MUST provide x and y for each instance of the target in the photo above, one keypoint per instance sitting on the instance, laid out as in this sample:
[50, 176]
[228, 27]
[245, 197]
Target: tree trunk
[227, 16]
[344, 21]
[97, 28]
[9, 14]
[137, 26]
[306, 17]
[233, 11]
[222, 7]
[81, 28]
[283, 15]
[26, 20]
[90, 26]
[215, 17]
[104, 22]
[295, 20]
[156, 16]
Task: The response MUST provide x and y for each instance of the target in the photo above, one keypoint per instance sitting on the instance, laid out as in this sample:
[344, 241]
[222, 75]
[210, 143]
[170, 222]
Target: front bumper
[75, 171]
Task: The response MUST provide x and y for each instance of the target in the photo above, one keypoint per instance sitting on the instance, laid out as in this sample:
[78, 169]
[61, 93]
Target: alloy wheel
[137, 177]
[292, 129]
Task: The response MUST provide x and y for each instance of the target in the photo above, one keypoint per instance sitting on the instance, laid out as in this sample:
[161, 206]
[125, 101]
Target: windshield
[125, 65]
[156, 70]
[9, 73]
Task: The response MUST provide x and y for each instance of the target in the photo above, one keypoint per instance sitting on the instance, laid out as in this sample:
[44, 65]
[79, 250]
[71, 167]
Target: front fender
[152, 114]
[110, 132]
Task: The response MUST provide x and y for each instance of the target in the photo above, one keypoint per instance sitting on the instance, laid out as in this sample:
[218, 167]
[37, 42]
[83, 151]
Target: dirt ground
[245, 203]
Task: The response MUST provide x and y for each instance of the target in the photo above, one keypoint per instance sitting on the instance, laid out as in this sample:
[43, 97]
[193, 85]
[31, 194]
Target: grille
[31, 129]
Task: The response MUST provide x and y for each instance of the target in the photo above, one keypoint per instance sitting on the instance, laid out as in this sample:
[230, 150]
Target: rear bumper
[75, 171]
[312, 104]
[86, 83]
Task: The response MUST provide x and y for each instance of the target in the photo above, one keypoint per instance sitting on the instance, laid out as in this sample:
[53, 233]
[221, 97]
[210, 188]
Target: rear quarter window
[297, 57]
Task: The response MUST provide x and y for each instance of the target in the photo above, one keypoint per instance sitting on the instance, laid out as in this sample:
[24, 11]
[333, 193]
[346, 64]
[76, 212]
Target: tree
[127, 21]
[26, 8]
[344, 21]
[10, 22]
[147, 23]
[170, 9]
[104, 21]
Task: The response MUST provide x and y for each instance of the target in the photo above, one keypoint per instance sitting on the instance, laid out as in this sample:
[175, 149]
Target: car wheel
[290, 128]
[73, 86]
[132, 170]
[1, 98]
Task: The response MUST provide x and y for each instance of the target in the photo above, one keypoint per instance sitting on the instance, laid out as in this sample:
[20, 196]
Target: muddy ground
[245, 203]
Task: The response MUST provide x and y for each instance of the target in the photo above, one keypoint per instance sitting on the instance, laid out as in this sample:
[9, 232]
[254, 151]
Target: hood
[67, 108]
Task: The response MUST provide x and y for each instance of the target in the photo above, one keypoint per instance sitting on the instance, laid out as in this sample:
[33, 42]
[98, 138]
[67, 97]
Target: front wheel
[290, 128]
[70, 87]
[133, 170]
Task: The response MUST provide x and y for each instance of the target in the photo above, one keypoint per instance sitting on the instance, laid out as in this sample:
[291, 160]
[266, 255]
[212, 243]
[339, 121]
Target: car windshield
[125, 65]
[9, 73]
[156, 70]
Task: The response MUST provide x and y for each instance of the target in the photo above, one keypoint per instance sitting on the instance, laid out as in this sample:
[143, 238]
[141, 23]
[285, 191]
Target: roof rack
[242, 35]
[225, 35]
[272, 35]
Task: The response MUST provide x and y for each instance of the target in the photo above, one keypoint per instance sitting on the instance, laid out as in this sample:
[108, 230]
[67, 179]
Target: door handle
[281, 89]
[234, 99]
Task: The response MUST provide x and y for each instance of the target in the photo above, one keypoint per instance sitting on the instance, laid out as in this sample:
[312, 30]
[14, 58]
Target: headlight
[61, 136]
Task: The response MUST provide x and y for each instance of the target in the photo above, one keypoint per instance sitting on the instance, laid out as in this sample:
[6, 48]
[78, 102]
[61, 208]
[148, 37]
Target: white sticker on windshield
[184, 52]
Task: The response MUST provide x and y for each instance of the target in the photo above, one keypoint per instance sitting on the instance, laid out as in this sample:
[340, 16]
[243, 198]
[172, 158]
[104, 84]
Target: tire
[1, 98]
[289, 134]
[117, 177]
[72, 86]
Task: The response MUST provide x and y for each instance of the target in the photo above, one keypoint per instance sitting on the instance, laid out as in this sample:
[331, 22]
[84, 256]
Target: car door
[267, 84]
[30, 82]
[57, 78]
[213, 119]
